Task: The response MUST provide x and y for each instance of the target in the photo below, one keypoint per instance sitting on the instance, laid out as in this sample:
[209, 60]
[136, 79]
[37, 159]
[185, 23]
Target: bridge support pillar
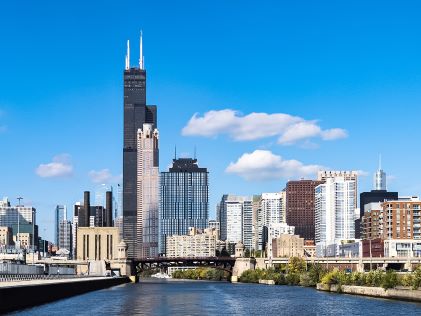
[408, 266]
[241, 265]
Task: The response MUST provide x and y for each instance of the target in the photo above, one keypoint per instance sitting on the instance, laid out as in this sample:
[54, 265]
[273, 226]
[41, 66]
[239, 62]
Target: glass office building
[184, 199]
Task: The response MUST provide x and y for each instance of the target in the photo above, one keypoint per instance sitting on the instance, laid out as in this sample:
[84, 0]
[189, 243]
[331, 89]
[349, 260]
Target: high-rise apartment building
[271, 211]
[372, 221]
[147, 192]
[402, 218]
[184, 199]
[335, 210]
[136, 113]
[300, 207]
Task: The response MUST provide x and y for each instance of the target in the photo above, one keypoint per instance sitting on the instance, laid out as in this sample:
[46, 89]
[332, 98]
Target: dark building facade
[370, 197]
[184, 199]
[136, 113]
[300, 207]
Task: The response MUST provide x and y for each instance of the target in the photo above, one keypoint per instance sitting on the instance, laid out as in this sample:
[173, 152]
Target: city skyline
[51, 159]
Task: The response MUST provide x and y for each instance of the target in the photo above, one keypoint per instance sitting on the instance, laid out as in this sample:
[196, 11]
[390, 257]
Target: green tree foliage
[296, 265]
[210, 274]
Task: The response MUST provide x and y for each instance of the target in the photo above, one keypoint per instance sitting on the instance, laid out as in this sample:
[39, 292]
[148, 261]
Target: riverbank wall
[20, 295]
[398, 293]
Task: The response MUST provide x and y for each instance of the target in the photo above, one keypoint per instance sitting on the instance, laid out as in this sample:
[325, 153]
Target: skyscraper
[147, 192]
[380, 178]
[136, 113]
[335, 210]
[60, 214]
[379, 194]
[184, 190]
[300, 206]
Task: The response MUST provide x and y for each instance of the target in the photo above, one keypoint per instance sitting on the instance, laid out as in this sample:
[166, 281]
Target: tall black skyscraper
[136, 113]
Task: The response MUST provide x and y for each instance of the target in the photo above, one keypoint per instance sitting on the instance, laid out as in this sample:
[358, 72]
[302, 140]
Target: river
[173, 297]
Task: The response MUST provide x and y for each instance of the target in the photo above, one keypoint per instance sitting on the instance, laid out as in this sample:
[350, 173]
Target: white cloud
[264, 165]
[103, 176]
[289, 129]
[59, 167]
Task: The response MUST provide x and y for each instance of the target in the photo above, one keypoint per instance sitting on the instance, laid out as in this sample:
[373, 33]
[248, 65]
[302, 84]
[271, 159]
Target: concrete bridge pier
[241, 265]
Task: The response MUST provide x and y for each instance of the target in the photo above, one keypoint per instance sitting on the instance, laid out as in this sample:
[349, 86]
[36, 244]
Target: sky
[267, 91]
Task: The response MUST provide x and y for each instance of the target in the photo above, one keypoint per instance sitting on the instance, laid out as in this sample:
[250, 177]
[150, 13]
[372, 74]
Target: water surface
[161, 297]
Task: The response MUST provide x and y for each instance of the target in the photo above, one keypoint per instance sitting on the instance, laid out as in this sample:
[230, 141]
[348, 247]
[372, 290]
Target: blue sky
[348, 66]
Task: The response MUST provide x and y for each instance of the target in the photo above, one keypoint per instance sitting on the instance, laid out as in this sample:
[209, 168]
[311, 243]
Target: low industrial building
[97, 243]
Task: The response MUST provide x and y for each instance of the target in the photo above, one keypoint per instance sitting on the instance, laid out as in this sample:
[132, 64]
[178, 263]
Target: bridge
[222, 263]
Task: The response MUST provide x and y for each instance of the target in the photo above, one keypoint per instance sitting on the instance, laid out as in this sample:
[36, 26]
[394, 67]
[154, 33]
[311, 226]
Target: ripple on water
[162, 297]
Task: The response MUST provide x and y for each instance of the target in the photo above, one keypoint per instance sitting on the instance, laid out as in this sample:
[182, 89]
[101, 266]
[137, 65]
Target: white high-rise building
[335, 206]
[272, 210]
[147, 233]
[235, 215]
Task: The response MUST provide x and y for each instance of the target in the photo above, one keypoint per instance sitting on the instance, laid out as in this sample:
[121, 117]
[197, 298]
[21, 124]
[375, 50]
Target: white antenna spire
[380, 161]
[141, 59]
[128, 56]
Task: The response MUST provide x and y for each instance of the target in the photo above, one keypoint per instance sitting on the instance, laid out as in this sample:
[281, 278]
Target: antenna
[194, 152]
[128, 55]
[175, 152]
[141, 61]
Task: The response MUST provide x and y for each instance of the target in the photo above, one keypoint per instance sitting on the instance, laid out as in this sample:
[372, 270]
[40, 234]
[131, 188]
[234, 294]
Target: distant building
[300, 207]
[147, 233]
[97, 243]
[65, 235]
[213, 224]
[372, 221]
[276, 230]
[136, 113]
[402, 248]
[184, 199]
[335, 212]
[60, 213]
[197, 244]
[378, 194]
[287, 246]
[402, 218]
[6, 237]
[271, 210]
[119, 224]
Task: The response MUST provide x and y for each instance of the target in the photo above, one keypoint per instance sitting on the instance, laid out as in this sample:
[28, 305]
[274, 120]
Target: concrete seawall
[399, 294]
[20, 295]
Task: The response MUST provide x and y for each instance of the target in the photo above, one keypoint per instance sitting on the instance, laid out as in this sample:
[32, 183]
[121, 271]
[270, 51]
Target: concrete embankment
[19, 295]
[399, 294]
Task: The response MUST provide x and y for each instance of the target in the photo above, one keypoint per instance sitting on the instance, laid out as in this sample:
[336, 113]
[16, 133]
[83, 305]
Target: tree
[296, 265]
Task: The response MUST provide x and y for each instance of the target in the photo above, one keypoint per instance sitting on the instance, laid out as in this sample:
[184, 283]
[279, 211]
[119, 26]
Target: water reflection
[161, 297]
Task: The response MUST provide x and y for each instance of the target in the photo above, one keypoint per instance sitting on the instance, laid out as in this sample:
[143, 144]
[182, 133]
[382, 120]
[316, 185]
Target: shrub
[416, 278]
[331, 277]
[306, 279]
[292, 279]
[390, 280]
